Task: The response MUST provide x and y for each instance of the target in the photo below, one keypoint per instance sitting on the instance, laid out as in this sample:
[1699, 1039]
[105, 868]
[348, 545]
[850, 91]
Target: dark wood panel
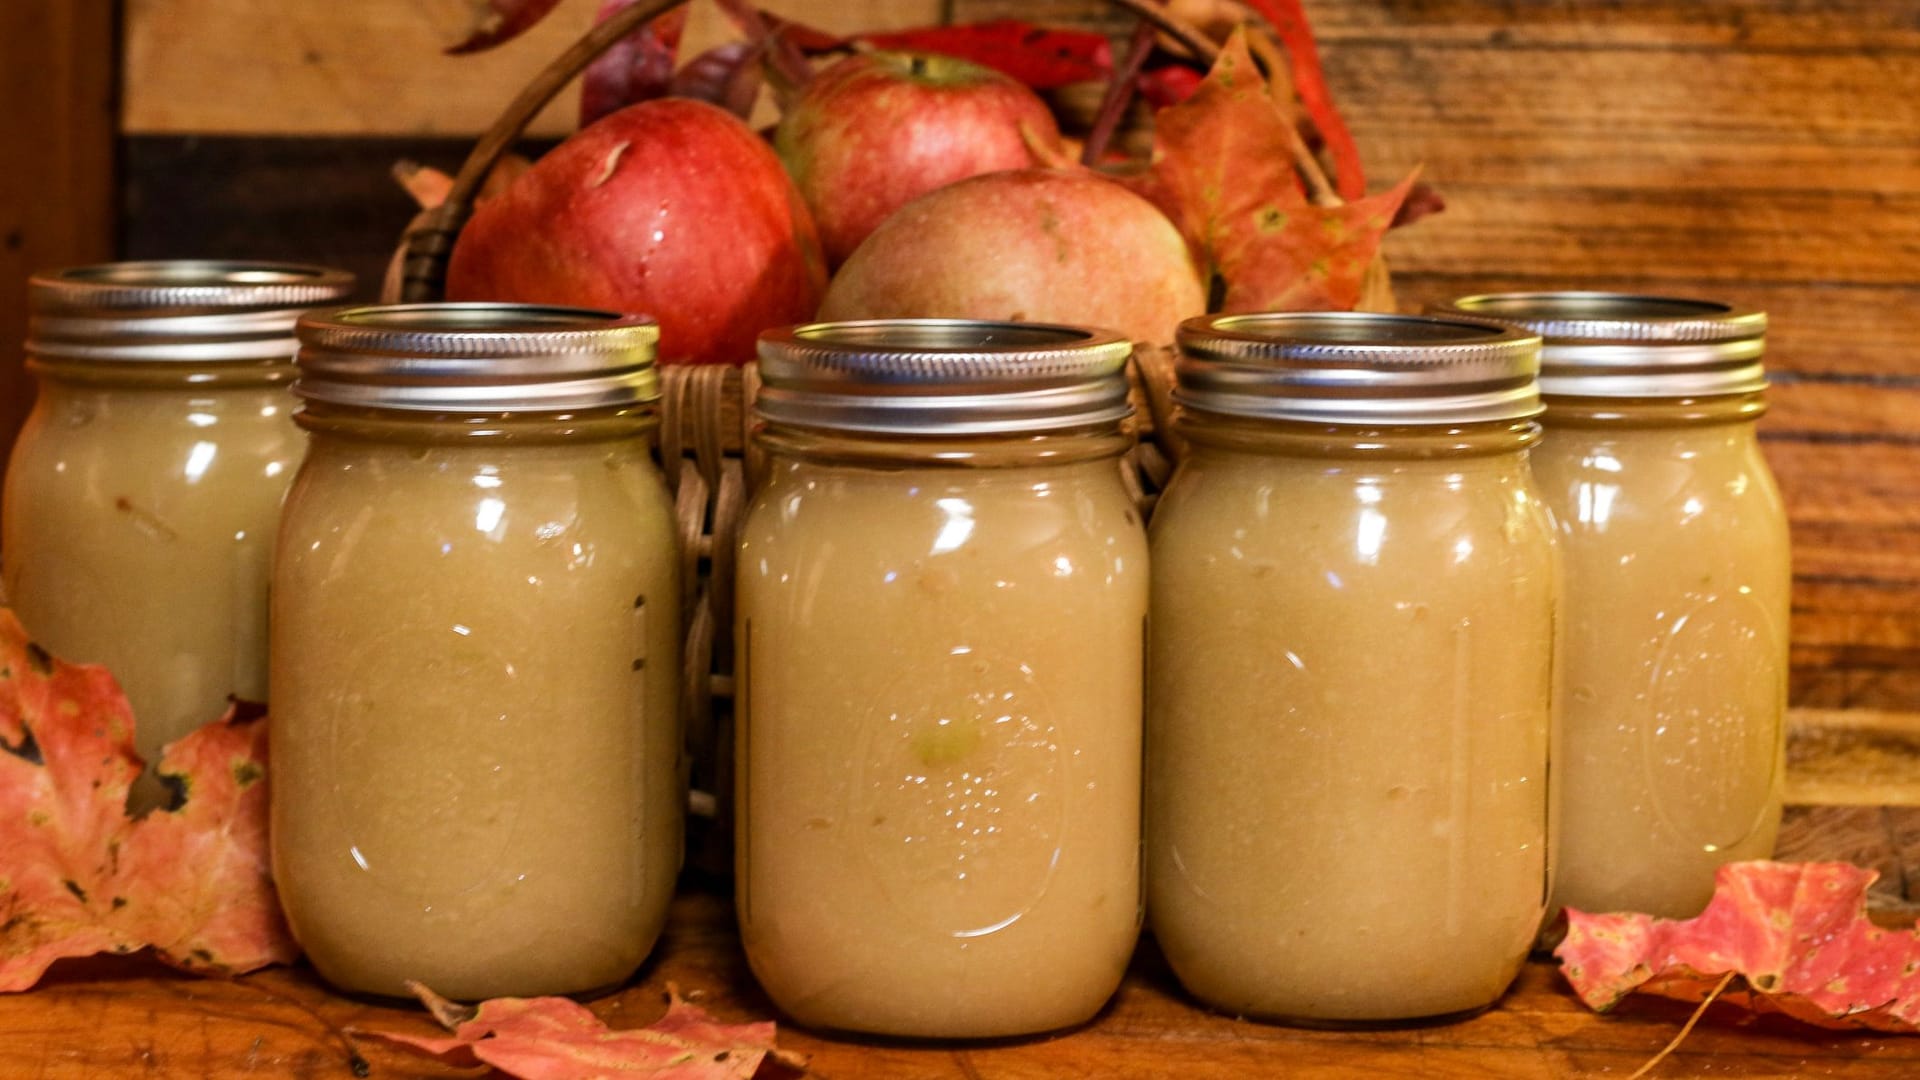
[56, 139]
[316, 200]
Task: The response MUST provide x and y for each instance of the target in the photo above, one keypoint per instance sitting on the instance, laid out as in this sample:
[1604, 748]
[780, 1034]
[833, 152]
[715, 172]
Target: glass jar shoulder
[1310, 516]
[102, 450]
[1700, 486]
[547, 512]
[1039, 522]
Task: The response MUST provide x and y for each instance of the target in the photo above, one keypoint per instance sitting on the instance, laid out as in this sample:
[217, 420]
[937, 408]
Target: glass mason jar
[1677, 592]
[143, 493]
[940, 616]
[1350, 698]
[476, 653]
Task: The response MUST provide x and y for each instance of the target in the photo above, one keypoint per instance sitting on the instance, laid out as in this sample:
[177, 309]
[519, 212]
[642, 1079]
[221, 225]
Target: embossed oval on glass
[942, 597]
[1350, 679]
[1677, 583]
[475, 659]
[144, 489]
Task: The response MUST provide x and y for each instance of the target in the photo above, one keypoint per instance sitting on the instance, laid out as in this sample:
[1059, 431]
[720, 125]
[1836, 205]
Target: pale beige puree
[939, 769]
[1349, 813]
[1677, 591]
[942, 782]
[143, 493]
[139, 528]
[1350, 726]
[1677, 587]
[476, 664]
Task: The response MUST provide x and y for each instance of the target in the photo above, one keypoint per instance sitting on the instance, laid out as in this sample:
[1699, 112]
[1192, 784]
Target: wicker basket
[705, 452]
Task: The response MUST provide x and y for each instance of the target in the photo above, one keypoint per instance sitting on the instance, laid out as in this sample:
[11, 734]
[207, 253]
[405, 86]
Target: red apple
[670, 208]
[1037, 245]
[877, 130]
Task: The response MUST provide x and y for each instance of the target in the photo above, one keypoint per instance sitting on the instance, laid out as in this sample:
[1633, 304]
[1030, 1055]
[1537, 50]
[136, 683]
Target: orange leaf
[77, 877]
[1797, 933]
[1223, 171]
[554, 1038]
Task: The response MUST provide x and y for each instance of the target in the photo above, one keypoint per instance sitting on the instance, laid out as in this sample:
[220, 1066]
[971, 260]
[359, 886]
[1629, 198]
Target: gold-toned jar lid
[942, 377]
[183, 310]
[477, 358]
[1618, 345]
[1352, 367]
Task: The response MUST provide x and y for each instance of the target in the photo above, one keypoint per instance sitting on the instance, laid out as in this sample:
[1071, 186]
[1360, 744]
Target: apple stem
[1119, 94]
[917, 65]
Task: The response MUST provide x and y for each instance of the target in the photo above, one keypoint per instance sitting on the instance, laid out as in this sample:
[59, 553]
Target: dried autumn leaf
[1223, 171]
[1043, 58]
[1797, 933]
[495, 22]
[638, 67]
[1289, 21]
[77, 877]
[553, 1038]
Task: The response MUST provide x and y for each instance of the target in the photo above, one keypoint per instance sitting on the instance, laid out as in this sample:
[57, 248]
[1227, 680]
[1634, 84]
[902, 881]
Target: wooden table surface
[114, 1018]
[1855, 776]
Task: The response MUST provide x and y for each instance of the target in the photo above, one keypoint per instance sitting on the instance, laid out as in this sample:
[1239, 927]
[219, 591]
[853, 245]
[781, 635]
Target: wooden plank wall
[1763, 151]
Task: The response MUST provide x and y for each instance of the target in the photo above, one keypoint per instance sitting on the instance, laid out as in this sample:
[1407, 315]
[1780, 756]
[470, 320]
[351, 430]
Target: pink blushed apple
[670, 208]
[1037, 245]
[877, 130]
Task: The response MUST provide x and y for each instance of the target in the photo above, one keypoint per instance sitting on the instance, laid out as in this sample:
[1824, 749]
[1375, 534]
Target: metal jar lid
[477, 358]
[942, 377]
[179, 311]
[1352, 367]
[1619, 345]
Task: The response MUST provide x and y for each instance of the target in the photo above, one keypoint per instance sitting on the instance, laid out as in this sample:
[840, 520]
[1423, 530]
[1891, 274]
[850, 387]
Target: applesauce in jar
[475, 653]
[1350, 692]
[1677, 591]
[941, 606]
[143, 493]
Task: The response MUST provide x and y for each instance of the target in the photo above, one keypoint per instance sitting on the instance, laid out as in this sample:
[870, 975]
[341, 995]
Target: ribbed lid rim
[1348, 367]
[1575, 315]
[942, 376]
[1630, 345]
[477, 356]
[167, 286]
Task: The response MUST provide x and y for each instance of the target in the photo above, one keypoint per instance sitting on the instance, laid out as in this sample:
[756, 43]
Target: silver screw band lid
[1352, 367]
[942, 377]
[179, 311]
[1601, 344]
[477, 358]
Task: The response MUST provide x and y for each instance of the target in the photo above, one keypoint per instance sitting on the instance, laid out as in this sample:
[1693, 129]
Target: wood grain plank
[1854, 757]
[1726, 237]
[1656, 24]
[56, 135]
[101, 1020]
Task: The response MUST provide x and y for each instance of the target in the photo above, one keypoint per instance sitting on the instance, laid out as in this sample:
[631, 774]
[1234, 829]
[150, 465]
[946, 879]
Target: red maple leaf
[553, 1038]
[77, 877]
[1796, 933]
[1223, 171]
[1041, 57]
